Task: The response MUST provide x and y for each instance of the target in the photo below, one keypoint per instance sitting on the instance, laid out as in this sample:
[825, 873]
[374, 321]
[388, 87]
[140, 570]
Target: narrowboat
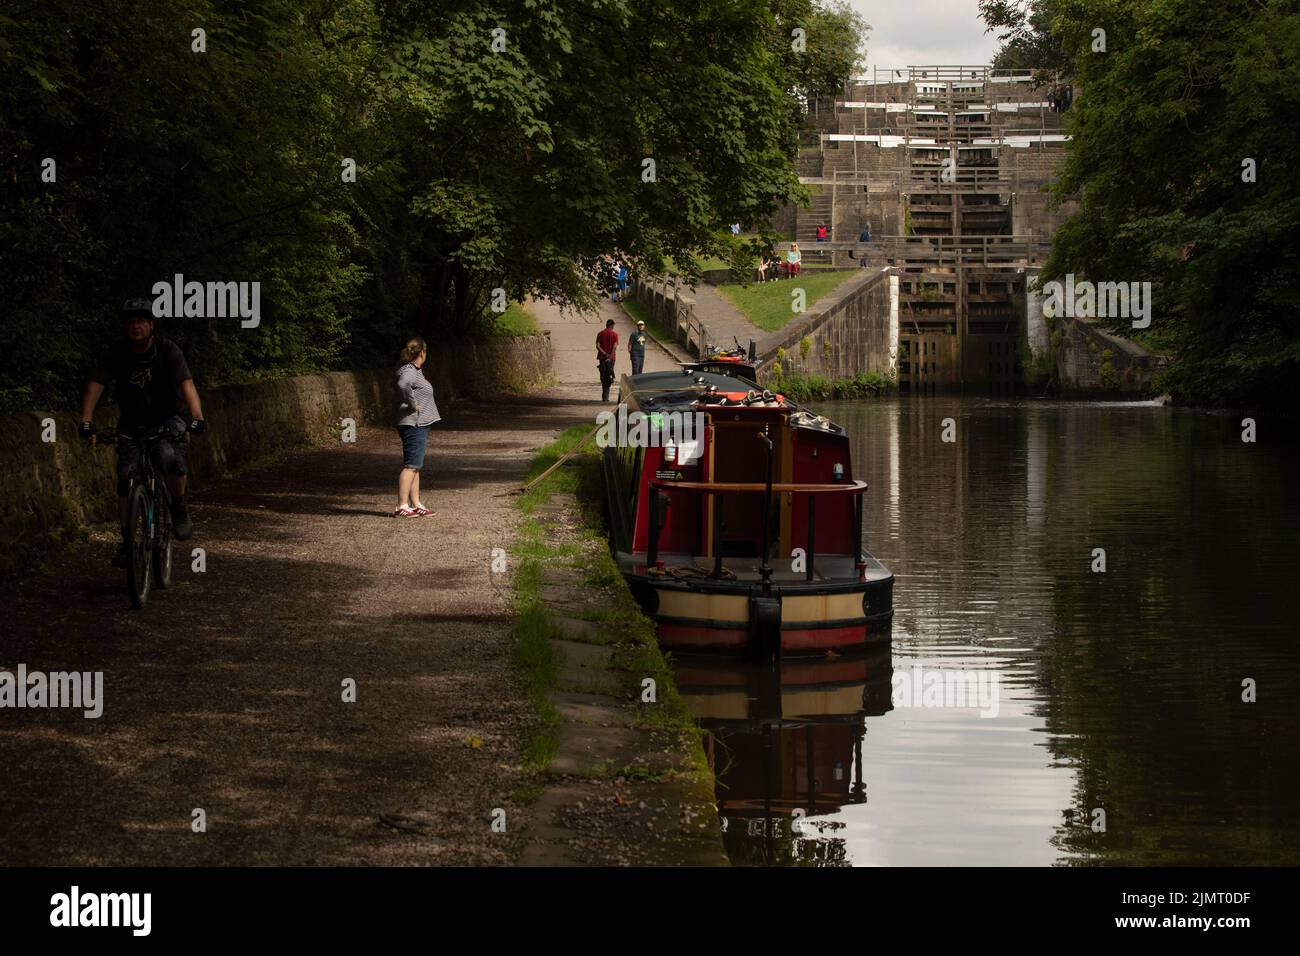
[736, 517]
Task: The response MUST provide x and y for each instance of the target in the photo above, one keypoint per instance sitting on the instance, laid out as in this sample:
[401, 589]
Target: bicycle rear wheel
[138, 576]
[162, 543]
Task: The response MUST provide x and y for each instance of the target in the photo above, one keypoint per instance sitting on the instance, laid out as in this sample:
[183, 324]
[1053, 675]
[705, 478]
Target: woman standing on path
[415, 411]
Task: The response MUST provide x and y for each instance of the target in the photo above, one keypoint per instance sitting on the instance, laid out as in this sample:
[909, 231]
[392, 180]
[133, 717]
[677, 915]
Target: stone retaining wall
[1092, 362]
[49, 489]
[849, 332]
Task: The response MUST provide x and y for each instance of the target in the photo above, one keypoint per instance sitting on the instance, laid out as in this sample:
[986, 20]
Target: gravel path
[573, 337]
[225, 693]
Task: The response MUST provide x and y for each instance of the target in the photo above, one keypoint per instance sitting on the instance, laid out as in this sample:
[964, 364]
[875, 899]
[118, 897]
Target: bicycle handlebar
[111, 436]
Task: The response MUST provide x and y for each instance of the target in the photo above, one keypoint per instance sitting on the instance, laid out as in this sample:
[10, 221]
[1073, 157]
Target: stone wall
[1090, 361]
[50, 489]
[849, 332]
[785, 219]
[1033, 212]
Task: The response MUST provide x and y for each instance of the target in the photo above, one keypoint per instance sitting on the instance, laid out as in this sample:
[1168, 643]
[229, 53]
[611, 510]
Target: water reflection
[1121, 690]
[785, 744]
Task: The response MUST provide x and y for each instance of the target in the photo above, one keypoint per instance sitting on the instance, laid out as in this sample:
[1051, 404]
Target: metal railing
[690, 330]
[942, 251]
[884, 76]
[687, 330]
[907, 181]
[767, 489]
[914, 137]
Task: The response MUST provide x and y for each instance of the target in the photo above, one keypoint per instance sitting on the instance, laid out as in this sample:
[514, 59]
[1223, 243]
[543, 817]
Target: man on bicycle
[153, 386]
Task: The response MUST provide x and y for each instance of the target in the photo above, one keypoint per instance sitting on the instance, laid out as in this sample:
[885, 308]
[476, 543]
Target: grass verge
[534, 656]
[516, 320]
[767, 304]
[802, 388]
[640, 313]
[637, 656]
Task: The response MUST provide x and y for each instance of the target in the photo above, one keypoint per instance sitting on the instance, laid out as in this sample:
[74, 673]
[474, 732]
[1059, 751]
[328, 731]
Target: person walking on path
[606, 353]
[620, 282]
[415, 410]
[636, 347]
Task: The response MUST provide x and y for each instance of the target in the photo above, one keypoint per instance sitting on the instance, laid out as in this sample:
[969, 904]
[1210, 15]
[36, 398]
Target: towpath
[225, 695]
[725, 323]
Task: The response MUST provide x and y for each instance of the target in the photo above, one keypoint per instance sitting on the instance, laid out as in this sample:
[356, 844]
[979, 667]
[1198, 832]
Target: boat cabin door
[738, 455]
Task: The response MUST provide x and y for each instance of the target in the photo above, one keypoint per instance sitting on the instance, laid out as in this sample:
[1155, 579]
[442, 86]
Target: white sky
[925, 33]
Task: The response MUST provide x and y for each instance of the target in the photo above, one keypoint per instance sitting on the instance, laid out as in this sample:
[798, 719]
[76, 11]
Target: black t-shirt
[147, 386]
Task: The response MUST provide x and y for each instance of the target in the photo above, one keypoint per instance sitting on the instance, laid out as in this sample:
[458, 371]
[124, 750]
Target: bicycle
[147, 535]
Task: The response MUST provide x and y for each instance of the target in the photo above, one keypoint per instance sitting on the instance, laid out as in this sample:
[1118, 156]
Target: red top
[607, 340]
[821, 232]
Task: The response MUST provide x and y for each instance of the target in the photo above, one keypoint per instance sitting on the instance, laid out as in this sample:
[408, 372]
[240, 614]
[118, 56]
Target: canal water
[1059, 714]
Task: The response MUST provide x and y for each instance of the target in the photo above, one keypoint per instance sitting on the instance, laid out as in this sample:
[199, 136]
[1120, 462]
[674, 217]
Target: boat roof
[683, 389]
[662, 391]
[735, 367]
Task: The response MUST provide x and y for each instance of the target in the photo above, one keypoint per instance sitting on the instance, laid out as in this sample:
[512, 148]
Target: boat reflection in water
[784, 741]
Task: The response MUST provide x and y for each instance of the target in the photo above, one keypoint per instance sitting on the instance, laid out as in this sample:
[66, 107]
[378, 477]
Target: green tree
[1189, 96]
[514, 159]
[834, 44]
[1024, 29]
[220, 165]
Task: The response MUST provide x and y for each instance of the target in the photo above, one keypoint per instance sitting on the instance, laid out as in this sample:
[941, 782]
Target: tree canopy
[506, 146]
[1184, 154]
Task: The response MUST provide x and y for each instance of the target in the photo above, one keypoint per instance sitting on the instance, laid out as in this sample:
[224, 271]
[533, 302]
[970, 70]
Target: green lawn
[767, 304]
[517, 320]
[712, 262]
[716, 263]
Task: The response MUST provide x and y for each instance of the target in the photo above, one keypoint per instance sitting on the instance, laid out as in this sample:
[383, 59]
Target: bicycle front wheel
[162, 543]
[138, 529]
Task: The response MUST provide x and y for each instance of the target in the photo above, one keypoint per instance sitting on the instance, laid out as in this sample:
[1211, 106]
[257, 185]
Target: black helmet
[133, 307]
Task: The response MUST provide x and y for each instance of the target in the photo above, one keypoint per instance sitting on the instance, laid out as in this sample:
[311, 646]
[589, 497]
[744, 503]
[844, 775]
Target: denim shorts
[414, 440]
